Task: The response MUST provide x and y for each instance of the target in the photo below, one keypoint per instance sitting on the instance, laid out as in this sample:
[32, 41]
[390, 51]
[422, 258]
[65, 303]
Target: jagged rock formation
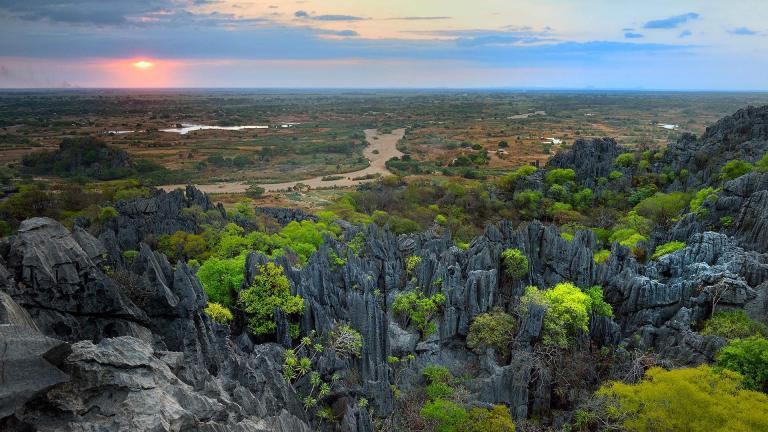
[94, 341]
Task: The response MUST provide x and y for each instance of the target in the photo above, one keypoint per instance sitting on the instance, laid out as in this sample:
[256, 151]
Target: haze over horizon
[552, 44]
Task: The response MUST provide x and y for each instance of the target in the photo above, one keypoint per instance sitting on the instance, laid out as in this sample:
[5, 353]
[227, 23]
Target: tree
[625, 160]
[515, 263]
[448, 415]
[270, 290]
[218, 313]
[254, 191]
[492, 330]
[662, 207]
[417, 308]
[749, 357]
[683, 400]
[222, 278]
[735, 168]
[560, 176]
[496, 419]
[732, 325]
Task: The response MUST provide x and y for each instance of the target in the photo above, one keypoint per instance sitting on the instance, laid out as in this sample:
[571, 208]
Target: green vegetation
[601, 256]
[345, 341]
[735, 168]
[662, 208]
[222, 278]
[270, 290]
[762, 164]
[560, 176]
[567, 311]
[218, 313]
[733, 324]
[494, 329]
[254, 191]
[667, 248]
[748, 357]
[411, 263]
[418, 309]
[704, 195]
[681, 400]
[625, 160]
[515, 263]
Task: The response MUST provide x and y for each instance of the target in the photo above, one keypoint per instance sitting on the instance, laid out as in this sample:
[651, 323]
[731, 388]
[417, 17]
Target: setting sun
[143, 64]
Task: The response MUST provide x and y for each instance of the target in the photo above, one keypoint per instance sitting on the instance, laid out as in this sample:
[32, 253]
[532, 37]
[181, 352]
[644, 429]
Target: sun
[143, 64]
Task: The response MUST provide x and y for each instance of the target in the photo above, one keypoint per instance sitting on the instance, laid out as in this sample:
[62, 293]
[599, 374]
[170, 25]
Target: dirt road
[381, 148]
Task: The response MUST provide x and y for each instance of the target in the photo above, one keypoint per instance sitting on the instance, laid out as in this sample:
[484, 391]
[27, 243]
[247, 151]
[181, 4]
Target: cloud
[305, 15]
[341, 33]
[419, 18]
[685, 34]
[742, 31]
[99, 12]
[510, 36]
[671, 22]
[630, 35]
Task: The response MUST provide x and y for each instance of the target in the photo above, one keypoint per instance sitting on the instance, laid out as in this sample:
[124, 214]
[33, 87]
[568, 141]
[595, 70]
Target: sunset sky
[605, 44]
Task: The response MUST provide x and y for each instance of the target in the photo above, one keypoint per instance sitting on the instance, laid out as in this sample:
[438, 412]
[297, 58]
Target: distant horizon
[396, 89]
[687, 45]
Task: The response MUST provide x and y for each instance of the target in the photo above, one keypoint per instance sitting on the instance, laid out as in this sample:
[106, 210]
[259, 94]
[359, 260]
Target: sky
[542, 44]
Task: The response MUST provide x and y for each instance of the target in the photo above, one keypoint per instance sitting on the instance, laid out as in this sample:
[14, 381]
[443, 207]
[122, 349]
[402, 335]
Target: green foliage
[762, 164]
[411, 263]
[345, 341]
[254, 191]
[107, 213]
[130, 255]
[625, 160]
[183, 246]
[496, 419]
[449, 416]
[662, 207]
[418, 309]
[582, 199]
[218, 313]
[510, 180]
[270, 290]
[560, 176]
[601, 256]
[683, 400]
[667, 248]
[492, 330]
[222, 278]
[748, 357]
[735, 168]
[515, 263]
[567, 311]
[704, 195]
[627, 237]
[733, 324]
[441, 219]
[527, 202]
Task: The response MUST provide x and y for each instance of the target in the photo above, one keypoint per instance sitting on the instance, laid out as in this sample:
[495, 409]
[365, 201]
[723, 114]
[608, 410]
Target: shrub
[601, 256]
[582, 199]
[509, 181]
[748, 357]
[418, 309]
[184, 246]
[441, 220]
[346, 341]
[221, 278]
[107, 213]
[527, 202]
[560, 176]
[270, 290]
[762, 164]
[411, 263]
[496, 419]
[218, 313]
[492, 330]
[627, 237]
[681, 400]
[515, 263]
[625, 160]
[706, 194]
[667, 248]
[567, 311]
[662, 207]
[735, 168]
[448, 416]
[733, 324]
[130, 255]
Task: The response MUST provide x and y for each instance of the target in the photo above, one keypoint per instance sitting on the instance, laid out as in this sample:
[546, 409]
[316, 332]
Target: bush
[627, 237]
[449, 416]
[762, 164]
[218, 313]
[270, 290]
[706, 194]
[667, 248]
[418, 309]
[748, 357]
[515, 263]
[732, 325]
[567, 311]
[601, 256]
[130, 255]
[682, 400]
[492, 330]
[346, 341]
[560, 176]
[107, 213]
[254, 191]
[625, 160]
[496, 419]
[222, 278]
[662, 207]
[735, 168]
[411, 263]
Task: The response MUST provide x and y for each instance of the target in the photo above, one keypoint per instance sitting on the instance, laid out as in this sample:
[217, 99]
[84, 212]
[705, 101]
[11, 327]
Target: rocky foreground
[90, 341]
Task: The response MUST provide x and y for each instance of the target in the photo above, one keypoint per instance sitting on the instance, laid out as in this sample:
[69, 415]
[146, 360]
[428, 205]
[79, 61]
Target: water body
[187, 128]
